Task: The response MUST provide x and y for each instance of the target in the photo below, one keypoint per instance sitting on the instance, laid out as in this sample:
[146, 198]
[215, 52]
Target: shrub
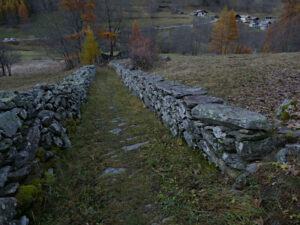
[143, 51]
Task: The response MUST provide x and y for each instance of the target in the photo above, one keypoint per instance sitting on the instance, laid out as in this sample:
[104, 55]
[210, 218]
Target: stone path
[125, 168]
[109, 163]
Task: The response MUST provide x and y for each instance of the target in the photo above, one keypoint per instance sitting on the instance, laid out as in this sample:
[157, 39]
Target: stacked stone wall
[35, 118]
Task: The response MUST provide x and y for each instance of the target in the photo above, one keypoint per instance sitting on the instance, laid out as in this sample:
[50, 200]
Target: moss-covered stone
[27, 194]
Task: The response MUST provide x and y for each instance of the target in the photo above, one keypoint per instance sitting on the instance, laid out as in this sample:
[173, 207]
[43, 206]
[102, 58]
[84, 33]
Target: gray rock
[7, 210]
[47, 156]
[134, 147]
[256, 150]
[67, 143]
[5, 144]
[4, 175]
[234, 161]
[230, 116]
[241, 182]
[121, 124]
[58, 142]
[113, 171]
[189, 138]
[23, 114]
[116, 131]
[257, 136]
[293, 147]
[46, 121]
[179, 91]
[192, 101]
[10, 123]
[281, 156]
[21, 159]
[166, 58]
[23, 221]
[282, 112]
[9, 189]
[45, 113]
[252, 168]
[46, 141]
[20, 174]
[33, 139]
[55, 128]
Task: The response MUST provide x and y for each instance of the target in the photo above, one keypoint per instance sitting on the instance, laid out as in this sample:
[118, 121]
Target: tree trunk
[3, 70]
[111, 49]
[8, 69]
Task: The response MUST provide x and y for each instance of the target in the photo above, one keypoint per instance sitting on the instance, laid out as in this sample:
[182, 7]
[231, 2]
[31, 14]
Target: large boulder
[231, 117]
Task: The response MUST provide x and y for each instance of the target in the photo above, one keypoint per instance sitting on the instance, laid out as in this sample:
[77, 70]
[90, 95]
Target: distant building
[200, 13]
[265, 24]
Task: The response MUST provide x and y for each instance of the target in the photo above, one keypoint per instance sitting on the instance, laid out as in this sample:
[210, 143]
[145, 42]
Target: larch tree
[287, 30]
[23, 11]
[136, 32]
[13, 8]
[233, 32]
[225, 34]
[219, 43]
[90, 50]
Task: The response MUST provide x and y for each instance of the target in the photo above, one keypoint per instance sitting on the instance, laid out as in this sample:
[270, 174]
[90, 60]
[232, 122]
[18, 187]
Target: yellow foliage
[90, 49]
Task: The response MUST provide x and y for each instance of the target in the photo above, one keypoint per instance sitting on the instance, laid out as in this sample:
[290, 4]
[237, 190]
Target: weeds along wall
[30, 119]
[230, 137]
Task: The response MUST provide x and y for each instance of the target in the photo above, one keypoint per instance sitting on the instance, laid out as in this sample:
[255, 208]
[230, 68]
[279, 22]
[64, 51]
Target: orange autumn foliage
[136, 32]
[225, 34]
[14, 7]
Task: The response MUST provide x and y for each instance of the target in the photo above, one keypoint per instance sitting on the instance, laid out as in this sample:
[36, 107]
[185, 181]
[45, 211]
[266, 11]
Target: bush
[143, 51]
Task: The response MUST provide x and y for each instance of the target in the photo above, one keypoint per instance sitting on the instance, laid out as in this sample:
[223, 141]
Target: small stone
[46, 121]
[121, 124]
[134, 147]
[252, 168]
[55, 128]
[116, 131]
[241, 182]
[113, 171]
[281, 156]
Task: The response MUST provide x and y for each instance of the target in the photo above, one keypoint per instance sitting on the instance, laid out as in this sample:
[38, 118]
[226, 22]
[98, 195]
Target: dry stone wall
[32, 118]
[230, 137]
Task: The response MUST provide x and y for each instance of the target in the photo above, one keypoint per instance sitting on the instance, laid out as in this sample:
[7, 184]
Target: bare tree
[110, 13]
[7, 59]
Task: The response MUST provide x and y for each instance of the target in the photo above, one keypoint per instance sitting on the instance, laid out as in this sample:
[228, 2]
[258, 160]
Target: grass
[24, 79]
[163, 179]
[37, 65]
[8, 32]
[259, 82]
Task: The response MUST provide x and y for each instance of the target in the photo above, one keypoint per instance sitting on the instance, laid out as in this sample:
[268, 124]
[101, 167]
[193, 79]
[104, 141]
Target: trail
[126, 169]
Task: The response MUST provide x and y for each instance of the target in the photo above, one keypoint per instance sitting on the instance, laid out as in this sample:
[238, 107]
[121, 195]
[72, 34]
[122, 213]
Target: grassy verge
[26, 78]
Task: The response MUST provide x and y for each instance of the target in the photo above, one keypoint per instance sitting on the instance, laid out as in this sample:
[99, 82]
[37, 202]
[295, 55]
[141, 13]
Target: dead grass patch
[259, 82]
